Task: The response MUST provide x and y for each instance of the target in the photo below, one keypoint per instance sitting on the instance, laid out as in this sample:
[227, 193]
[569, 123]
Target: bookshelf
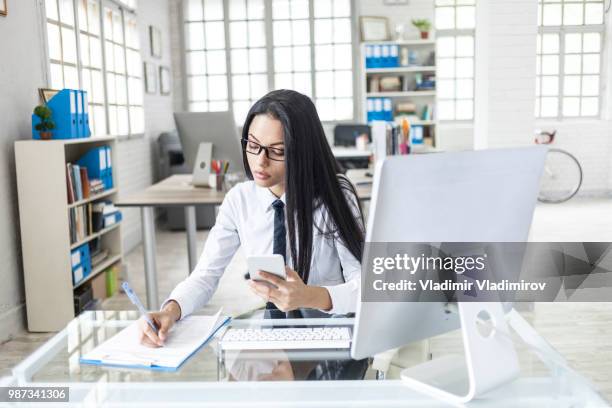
[45, 229]
[422, 65]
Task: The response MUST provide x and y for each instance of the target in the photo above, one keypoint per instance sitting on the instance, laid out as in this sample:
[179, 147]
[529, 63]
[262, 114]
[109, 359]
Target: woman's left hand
[292, 293]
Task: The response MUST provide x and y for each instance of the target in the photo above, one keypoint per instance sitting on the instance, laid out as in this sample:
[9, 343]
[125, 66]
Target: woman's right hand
[163, 320]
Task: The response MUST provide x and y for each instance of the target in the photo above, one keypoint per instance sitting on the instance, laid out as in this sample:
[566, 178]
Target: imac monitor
[216, 128]
[472, 196]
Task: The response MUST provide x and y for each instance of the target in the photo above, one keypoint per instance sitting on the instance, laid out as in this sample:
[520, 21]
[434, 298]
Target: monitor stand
[201, 167]
[490, 359]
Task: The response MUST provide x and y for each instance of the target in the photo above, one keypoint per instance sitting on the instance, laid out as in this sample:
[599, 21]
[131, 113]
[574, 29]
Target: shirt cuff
[343, 297]
[179, 303]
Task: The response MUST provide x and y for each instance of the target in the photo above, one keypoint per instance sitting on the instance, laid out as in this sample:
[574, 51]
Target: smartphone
[274, 264]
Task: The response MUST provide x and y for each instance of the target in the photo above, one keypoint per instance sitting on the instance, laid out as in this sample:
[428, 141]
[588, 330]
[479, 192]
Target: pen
[132, 295]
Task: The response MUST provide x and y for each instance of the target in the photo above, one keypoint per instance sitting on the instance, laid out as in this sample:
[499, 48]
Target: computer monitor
[473, 196]
[217, 128]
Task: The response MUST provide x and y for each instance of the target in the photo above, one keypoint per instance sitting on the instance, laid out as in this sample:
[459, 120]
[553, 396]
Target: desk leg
[190, 227]
[148, 238]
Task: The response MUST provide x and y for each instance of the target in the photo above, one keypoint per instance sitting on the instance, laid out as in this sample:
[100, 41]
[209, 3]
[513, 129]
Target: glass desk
[212, 377]
[58, 359]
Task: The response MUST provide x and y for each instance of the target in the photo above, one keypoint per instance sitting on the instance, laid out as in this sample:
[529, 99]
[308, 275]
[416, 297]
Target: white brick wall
[505, 73]
[21, 73]
[136, 157]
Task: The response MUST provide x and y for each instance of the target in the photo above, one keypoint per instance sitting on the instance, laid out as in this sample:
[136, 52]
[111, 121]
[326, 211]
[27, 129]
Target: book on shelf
[78, 184]
[80, 221]
[85, 187]
[69, 183]
[99, 257]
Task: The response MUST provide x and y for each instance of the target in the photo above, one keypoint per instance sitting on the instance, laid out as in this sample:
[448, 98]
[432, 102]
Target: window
[568, 58]
[248, 54]
[297, 44]
[455, 24]
[104, 59]
[91, 63]
[291, 28]
[62, 44]
[333, 59]
[206, 57]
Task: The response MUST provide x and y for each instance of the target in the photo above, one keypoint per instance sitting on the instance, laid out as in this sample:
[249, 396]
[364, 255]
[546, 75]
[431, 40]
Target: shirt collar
[267, 198]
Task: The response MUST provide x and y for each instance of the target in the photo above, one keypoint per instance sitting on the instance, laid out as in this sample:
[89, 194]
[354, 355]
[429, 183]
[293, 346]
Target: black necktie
[279, 246]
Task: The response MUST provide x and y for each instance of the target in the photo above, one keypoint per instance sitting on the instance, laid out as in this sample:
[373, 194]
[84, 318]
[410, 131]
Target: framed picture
[164, 80]
[374, 28]
[150, 74]
[155, 41]
[3, 8]
[45, 94]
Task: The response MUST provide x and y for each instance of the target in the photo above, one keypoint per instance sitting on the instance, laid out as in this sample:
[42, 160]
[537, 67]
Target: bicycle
[562, 175]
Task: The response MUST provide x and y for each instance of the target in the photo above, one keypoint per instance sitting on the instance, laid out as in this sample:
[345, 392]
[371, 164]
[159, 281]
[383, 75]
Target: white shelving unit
[45, 235]
[422, 48]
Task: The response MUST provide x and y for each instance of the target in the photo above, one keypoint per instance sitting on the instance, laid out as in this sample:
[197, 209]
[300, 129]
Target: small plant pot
[45, 135]
[424, 35]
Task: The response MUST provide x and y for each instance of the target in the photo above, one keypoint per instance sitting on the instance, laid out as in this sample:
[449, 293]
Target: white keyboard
[287, 338]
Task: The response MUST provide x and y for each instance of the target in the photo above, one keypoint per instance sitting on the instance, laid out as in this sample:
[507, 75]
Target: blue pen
[132, 295]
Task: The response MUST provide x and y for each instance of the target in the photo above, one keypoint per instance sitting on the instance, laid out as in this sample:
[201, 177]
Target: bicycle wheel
[562, 177]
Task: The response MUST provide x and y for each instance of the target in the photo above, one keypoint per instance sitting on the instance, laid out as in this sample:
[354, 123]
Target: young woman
[295, 204]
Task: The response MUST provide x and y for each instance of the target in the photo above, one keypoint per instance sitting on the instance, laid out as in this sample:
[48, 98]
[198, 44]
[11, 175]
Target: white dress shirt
[246, 219]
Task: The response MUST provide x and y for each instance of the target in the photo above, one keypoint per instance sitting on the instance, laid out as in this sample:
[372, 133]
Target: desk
[176, 190]
[200, 381]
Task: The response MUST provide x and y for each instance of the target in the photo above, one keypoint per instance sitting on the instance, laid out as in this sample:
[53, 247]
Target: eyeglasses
[255, 148]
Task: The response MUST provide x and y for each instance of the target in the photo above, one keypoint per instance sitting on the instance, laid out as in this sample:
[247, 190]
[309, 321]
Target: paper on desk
[185, 337]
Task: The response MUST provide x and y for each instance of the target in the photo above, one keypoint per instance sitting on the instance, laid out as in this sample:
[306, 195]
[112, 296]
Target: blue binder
[81, 263]
[387, 109]
[109, 168]
[378, 109]
[64, 113]
[376, 56]
[86, 132]
[385, 54]
[96, 162]
[79, 112]
[370, 109]
[369, 54]
[416, 132]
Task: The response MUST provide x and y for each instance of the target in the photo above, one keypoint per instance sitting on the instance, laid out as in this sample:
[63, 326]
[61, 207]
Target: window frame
[455, 33]
[562, 30]
[268, 24]
[123, 8]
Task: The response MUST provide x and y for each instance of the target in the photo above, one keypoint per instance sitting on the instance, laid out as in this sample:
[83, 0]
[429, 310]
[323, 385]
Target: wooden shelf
[400, 94]
[391, 70]
[45, 237]
[416, 41]
[102, 266]
[93, 198]
[94, 236]
[423, 123]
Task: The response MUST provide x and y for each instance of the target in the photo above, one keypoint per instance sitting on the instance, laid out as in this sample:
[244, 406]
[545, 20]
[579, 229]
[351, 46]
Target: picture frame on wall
[374, 28]
[155, 41]
[45, 94]
[164, 80]
[150, 74]
[3, 8]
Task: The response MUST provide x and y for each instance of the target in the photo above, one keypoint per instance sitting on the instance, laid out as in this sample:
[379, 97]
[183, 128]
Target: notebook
[185, 338]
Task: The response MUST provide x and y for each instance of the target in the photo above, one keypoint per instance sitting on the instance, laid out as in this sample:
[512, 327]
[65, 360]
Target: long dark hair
[311, 177]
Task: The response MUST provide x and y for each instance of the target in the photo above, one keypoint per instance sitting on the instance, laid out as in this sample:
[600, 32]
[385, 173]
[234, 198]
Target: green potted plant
[46, 124]
[423, 25]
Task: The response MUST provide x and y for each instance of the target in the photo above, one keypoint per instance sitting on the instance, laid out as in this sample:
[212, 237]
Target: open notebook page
[184, 338]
